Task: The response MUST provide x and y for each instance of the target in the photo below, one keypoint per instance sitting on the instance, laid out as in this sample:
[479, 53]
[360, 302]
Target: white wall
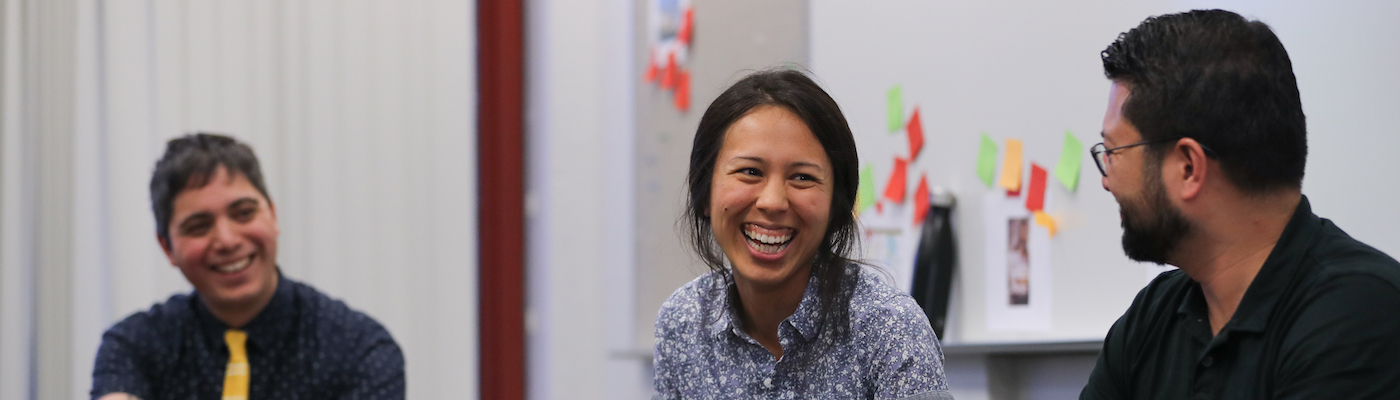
[579, 81]
[362, 113]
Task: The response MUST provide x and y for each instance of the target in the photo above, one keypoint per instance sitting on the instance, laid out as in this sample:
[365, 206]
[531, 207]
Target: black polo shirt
[1320, 321]
[302, 345]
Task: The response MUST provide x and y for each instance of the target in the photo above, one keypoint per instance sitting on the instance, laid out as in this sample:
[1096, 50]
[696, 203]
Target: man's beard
[1153, 228]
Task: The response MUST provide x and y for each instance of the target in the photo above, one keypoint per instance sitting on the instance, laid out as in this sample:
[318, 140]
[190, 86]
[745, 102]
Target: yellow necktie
[237, 374]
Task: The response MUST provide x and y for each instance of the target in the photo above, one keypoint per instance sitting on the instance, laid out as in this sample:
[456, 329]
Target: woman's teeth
[767, 243]
[234, 266]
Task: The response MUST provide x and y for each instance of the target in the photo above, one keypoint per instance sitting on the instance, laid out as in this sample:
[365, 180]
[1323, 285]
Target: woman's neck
[765, 307]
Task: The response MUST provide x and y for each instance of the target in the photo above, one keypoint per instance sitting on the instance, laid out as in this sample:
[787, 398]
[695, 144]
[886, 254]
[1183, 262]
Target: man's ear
[1195, 167]
[165, 246]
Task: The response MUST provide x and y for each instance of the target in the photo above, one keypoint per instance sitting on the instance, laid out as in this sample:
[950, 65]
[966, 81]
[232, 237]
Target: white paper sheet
[890, 241]
[1018, 272]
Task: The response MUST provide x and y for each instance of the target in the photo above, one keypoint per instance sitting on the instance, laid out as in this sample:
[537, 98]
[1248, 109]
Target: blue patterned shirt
[882, 348]
[302, 345]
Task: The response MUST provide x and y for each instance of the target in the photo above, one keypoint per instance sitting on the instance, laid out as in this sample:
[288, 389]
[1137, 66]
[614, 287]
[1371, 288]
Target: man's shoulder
[165, 318]
[333, 315]
[1339, 257]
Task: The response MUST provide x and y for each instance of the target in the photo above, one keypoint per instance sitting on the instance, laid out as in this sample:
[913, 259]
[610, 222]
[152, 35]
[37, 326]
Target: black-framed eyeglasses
[1101, 154]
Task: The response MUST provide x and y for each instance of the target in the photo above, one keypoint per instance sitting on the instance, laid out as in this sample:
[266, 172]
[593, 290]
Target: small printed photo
[1018, 262]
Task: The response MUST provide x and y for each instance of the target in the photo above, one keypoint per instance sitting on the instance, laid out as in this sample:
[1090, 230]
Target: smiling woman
[785, 312]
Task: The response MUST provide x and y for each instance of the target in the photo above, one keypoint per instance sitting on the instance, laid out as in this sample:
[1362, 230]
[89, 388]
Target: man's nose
[224, 239]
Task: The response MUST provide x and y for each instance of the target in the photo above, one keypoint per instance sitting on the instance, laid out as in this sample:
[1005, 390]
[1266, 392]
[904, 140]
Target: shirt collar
[1279, 269]
[1273, 278]
[273, 322]
[806, 319]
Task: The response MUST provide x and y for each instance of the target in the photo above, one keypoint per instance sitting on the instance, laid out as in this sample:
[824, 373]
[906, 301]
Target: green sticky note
[865, 194]
[987, 160]
[1070, 156]
[896, 111]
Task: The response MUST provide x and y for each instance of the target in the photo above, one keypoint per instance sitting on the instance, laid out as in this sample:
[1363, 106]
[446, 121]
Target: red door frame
[501, 193]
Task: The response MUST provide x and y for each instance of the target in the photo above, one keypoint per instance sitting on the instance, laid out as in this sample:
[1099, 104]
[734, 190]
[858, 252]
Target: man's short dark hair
[189, 162]
[1227, 82]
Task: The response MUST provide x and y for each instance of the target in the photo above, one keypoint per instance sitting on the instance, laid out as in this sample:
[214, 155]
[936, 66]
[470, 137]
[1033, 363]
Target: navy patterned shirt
[882, 348]
[303, 345]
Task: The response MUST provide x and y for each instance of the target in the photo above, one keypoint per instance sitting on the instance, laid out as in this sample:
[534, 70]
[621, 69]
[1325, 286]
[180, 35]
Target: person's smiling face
[223, 237]
[770, 198]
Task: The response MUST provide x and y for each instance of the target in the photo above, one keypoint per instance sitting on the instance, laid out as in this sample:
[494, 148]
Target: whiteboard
[1031, 71]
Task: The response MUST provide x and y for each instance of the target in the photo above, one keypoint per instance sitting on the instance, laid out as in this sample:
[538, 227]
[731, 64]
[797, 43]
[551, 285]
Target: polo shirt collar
[273, 322]
[1278, 271]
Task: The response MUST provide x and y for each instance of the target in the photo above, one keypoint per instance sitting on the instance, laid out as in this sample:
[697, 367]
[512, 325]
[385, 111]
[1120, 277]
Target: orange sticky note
[1043, 219]
[921, 200]
[894, 190]
[1011, 167]
[1035, 199]
[668, 75]
[682, 95]
[916, 135]
[687, 24]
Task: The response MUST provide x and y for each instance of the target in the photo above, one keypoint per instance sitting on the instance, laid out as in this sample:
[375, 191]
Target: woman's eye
[804, 177]
[750, 172]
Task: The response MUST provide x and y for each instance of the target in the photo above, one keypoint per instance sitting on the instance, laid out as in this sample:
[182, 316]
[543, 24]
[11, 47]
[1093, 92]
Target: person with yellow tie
[247, 331]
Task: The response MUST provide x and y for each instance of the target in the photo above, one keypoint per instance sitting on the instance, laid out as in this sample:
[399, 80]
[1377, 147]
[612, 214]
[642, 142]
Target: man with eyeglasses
[1204, 145]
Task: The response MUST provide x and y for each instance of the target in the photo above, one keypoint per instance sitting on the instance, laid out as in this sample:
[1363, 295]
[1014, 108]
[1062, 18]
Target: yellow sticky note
[1043, 219]
[1011, 167]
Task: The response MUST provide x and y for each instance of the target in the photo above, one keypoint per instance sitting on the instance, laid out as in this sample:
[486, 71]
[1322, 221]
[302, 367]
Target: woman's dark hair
[1225, 81]
[189, 162]
[798, 94]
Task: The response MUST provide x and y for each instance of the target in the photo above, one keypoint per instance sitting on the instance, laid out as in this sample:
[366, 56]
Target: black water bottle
[936, 259]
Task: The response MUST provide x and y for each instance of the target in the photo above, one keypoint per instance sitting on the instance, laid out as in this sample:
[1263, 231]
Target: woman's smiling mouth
[768, 241]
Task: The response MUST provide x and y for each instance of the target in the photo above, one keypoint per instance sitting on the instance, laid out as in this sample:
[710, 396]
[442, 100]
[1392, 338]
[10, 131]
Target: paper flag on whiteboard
[1068, 169]
[1011, 166]
[894, 190]
[1035, 198]
[682, 95]
[1043, 219]
[668, 75]
[895, 103]
[916, 135]
[651, 68]
[986, 160]
[921, 200]
[865, 194]
[687, 25]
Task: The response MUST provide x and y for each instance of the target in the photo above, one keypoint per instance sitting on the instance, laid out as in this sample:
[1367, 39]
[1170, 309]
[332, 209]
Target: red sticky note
[668, 75]
[651, 67]
[687, 24]
[921, 200]
[916, 135]
[894, 190]
[682, 95]
[1035, 199]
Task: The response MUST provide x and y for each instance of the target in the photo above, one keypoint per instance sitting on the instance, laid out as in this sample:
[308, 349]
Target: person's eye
[804, 177]
[245, 214]
[195, 229]
[751, 172]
